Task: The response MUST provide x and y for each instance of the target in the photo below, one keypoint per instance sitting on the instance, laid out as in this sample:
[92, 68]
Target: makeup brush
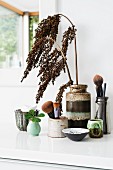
[57, 110]
[48, 108]
[98, 80]
[104, 91]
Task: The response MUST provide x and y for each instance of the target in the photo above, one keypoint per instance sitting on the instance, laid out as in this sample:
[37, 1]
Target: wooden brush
[98, 80]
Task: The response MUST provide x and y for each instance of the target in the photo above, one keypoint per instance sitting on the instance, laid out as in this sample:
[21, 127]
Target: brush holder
[78, 109]
[55, 127]
[102, 112]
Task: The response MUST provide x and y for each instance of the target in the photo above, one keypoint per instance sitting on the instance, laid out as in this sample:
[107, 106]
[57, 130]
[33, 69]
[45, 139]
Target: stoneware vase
[33, 128]
[78, 106]
[21, 121]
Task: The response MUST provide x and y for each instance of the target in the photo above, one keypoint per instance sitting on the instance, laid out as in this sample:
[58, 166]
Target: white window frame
[12, 76]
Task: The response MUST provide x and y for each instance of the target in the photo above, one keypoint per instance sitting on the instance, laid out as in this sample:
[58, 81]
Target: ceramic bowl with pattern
[75, 134]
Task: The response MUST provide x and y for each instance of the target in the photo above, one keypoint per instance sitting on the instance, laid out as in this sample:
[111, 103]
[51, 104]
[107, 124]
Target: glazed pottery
[21, 121]
[78, 109]
[75, 134]
[33, 128]
[95, 127]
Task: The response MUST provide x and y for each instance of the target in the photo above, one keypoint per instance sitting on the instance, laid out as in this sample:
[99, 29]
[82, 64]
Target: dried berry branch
[76, 62]
[49, 76]
[50, 61]
[46, 28]
[61, 91]
[68, 36]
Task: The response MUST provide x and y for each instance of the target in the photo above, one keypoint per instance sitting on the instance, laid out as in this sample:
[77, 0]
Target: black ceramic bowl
[75, 134]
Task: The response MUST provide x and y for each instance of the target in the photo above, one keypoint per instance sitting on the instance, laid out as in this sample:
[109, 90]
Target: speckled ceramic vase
[21, 121]
[78, 106]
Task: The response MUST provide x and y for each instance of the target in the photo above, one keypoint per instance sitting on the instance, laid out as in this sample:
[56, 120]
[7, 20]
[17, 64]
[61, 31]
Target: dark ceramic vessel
[78, 106]
[75, 134]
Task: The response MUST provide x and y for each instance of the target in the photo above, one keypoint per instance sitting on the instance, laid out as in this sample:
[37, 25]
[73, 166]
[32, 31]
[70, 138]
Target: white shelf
[95, 153]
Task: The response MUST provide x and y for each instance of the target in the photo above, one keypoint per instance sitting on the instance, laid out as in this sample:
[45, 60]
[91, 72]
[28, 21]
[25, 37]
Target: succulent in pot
[34, 118]
[21, 121]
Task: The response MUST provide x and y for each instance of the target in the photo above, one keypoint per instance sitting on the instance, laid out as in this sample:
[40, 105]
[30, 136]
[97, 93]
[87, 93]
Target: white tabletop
[15, 144]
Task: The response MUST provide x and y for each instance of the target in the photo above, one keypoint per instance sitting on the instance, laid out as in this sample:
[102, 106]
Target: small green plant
[34, 115]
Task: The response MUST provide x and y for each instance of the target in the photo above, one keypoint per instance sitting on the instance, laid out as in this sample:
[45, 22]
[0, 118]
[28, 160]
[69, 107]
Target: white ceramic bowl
[75, 134]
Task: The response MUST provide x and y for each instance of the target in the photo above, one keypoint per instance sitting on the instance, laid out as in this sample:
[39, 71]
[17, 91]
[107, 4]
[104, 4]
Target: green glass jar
[95, 127]
[78, 106]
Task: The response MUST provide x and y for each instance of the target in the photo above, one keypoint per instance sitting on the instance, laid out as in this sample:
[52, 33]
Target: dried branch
[68, 36]
[76, 62]
[50, 61]
[46, 28]
[61, 91]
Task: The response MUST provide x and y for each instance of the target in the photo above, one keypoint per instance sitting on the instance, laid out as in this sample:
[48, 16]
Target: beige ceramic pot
[55, 127]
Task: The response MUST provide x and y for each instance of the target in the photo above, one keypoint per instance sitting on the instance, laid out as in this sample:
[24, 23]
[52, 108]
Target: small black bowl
[75, 134]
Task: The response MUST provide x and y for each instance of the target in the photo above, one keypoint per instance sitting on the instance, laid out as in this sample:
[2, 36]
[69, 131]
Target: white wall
[93, 20]
[47, 8]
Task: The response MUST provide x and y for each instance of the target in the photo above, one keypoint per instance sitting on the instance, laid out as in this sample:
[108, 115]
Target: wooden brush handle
[99, 91]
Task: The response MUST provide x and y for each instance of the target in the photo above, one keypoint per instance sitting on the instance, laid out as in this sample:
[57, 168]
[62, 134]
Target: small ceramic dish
[75, 134]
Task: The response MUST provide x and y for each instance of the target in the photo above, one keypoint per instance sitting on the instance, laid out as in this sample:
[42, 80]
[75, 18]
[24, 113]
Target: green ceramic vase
[33, 128]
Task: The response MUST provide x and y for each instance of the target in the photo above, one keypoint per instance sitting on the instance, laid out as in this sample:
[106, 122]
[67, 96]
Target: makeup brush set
[52, 109]
[56, 122]
[101, 102]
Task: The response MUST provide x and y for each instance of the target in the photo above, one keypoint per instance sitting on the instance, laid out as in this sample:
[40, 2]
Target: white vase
[55, 127]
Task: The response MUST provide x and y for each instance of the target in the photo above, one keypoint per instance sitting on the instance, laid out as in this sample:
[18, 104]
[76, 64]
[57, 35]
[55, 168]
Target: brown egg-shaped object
[47, 107]
[98, 80]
